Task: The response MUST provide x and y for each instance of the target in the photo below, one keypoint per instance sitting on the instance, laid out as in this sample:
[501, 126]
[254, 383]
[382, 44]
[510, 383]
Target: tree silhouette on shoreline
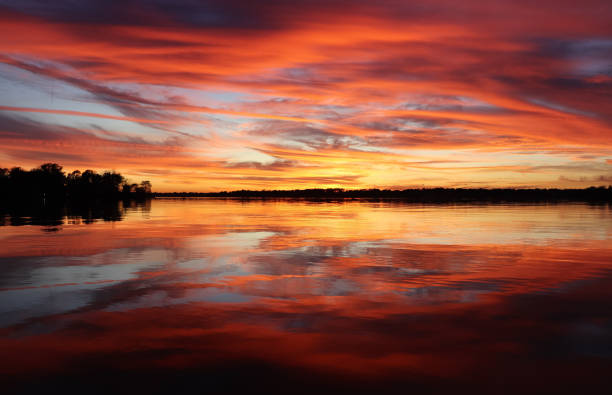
[423, 195]
[49, 183]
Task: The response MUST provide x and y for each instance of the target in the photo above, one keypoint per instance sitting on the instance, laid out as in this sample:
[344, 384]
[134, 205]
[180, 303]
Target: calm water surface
[209, 296]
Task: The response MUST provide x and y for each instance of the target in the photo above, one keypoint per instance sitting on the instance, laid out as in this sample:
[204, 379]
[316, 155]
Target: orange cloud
[344, 91]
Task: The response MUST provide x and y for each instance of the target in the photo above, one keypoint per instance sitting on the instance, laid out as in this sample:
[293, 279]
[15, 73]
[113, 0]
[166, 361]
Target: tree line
[49, 183]
[422, 195]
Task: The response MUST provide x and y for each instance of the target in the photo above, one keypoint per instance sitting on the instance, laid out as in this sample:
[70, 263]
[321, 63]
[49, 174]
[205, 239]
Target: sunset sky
[222, 95]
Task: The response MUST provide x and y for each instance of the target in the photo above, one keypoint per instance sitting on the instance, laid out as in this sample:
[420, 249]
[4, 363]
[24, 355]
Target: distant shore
[425, 195]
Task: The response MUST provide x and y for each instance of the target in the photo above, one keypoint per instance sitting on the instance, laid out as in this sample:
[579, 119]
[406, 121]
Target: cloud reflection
[398, 300]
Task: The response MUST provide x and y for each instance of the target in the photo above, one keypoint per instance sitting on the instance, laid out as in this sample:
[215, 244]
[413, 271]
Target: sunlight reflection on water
[369, 291]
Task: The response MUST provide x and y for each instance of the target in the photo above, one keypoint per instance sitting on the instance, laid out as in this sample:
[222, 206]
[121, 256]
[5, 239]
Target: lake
[205, 295]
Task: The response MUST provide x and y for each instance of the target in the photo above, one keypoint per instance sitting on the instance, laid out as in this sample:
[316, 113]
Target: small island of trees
[49, 183]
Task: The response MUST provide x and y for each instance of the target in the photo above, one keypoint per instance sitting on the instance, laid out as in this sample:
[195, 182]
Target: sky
[235, 94]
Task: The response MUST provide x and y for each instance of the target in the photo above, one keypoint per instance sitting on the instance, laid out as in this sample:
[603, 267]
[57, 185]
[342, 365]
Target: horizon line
[423, 188]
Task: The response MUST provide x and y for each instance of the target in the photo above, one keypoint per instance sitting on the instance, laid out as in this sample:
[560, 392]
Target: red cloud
[380, 79]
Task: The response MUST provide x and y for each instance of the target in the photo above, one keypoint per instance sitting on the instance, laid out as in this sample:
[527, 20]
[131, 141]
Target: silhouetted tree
[49, 183]
[146, 187]
[4, 180]
[111, 183]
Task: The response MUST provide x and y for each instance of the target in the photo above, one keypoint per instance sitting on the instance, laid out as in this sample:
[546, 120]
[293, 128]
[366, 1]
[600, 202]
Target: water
[191, 296]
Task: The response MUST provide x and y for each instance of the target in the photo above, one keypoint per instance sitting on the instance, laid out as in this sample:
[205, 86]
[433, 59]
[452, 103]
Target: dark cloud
[313, 137]
[27, 140]
[21, 128]
[197, 13]
[274, 13]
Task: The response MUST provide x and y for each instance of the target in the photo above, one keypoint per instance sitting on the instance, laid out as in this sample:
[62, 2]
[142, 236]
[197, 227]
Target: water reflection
[185, 296]
[53, 216]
